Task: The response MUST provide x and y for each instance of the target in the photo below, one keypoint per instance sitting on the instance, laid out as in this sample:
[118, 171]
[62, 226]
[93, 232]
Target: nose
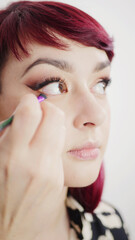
[89, 111]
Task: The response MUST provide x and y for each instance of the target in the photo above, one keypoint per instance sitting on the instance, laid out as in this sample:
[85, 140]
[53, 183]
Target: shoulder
[108, 215]
[110, 221]
[105, 223]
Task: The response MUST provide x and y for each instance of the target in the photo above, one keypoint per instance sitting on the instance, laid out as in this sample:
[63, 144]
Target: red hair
[25, 21]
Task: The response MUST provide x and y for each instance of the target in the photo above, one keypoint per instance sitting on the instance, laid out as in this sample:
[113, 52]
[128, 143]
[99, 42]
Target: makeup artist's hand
[31, 170]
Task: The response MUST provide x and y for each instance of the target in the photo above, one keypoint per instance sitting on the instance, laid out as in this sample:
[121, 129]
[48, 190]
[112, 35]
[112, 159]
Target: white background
[118, 18]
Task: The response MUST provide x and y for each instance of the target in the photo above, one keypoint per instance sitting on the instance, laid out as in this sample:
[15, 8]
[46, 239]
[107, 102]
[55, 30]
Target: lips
[88, 151]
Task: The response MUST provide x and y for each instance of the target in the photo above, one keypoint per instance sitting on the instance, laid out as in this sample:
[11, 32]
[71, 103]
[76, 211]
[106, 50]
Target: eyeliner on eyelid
[36, 86]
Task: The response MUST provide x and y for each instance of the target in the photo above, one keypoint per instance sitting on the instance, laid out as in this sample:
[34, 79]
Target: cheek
[10, 98]
[108, 118]
[8, 104]
[5, 109]
[106, 127]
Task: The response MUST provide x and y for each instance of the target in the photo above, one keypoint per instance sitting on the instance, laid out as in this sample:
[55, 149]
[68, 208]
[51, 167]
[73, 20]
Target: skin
[65, 120]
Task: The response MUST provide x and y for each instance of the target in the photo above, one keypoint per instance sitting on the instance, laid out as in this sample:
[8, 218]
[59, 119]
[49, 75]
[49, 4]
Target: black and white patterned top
[105, 223]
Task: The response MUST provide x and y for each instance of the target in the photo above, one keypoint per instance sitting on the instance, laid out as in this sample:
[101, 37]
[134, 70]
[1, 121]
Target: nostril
[87, 123]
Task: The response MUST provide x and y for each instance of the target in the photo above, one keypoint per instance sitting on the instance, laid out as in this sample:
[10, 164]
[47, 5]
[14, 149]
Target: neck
[59, 228]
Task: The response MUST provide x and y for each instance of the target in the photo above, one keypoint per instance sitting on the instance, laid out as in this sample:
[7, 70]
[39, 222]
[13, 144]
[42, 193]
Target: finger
[26, 120]
[51, 132]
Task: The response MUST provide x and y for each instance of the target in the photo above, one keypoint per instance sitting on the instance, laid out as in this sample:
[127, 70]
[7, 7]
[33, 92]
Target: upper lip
[88, 145]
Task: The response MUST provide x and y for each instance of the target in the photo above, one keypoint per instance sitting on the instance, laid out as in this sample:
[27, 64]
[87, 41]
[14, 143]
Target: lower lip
[86, 154]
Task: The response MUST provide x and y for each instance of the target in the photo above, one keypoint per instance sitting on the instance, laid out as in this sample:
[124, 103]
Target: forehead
[73, 51]
[77, 56]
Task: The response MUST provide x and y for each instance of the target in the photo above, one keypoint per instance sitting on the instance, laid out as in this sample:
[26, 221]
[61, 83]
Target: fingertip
[30, 102]
[30, 98]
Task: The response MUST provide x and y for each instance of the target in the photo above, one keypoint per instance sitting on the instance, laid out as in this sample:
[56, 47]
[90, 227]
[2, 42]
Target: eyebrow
[101, 65]
[63, 65]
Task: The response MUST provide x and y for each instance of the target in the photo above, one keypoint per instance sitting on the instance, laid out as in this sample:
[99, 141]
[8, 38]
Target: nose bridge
[88, 110]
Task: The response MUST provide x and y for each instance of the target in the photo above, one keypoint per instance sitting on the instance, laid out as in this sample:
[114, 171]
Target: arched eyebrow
[63, 65]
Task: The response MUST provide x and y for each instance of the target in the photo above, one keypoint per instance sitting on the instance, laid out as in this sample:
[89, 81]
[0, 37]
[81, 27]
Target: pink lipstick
[89, 151]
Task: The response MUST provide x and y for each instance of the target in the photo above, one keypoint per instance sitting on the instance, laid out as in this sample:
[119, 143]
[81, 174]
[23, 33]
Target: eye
[51, 86]
[101, 86]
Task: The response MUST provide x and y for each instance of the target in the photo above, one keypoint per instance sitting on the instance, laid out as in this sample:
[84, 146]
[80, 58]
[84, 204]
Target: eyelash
[38, 86]
[47, 81]
[107, 82]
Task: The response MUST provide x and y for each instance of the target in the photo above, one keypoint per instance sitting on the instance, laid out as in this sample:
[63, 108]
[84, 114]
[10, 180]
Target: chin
[82, 175]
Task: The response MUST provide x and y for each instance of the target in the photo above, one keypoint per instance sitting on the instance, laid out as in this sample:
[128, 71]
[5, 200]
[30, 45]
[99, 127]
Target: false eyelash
[37, 86]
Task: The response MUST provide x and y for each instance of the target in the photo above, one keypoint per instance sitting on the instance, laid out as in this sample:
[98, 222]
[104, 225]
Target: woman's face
[77, 90]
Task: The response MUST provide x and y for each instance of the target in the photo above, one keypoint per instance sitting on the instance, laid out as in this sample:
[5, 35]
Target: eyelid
[108, 80]
[38, 85]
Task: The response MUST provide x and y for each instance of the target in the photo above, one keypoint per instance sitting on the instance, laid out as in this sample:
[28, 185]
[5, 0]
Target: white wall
[118, 18]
